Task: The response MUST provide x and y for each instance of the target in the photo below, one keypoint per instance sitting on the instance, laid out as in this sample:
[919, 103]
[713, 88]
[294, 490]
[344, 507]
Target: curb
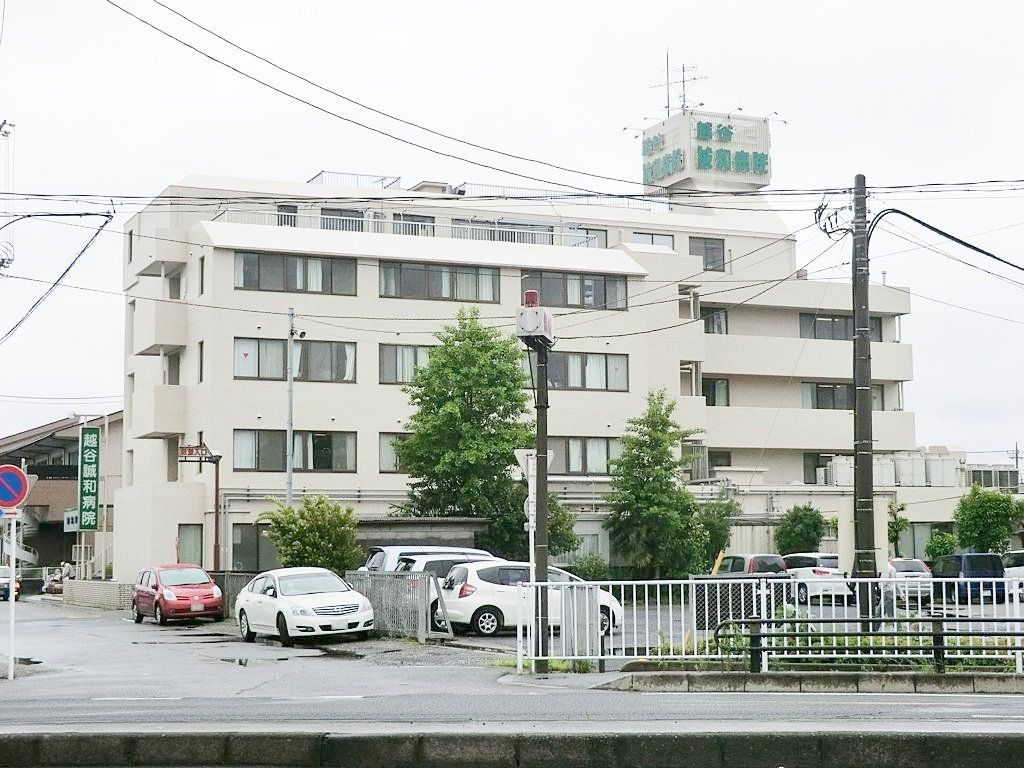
[602, 750]
[812, 682]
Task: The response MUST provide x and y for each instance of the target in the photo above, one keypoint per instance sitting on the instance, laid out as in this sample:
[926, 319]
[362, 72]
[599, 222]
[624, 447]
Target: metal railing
[361, 180]
[497, 233]
[403, 603]
[565, 197]
[836, 618]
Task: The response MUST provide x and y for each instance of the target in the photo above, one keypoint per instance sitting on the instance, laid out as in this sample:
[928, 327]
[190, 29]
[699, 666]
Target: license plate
[196, 607]
[986, 592]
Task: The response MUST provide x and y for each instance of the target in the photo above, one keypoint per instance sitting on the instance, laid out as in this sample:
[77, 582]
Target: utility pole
[289, 429]
[863, 447]
[535, 326]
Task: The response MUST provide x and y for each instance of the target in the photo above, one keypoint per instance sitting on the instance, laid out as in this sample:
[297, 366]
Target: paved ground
[99, 668]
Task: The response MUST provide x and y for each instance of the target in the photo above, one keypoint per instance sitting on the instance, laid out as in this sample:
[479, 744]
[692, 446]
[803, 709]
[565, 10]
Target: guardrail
[829, 619]
[403, 603]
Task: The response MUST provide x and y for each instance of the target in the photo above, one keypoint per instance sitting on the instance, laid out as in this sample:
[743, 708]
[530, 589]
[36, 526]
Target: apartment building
[647, 294]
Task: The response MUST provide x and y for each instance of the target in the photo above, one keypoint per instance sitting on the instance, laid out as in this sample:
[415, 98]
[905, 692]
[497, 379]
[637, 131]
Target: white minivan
[386, 558]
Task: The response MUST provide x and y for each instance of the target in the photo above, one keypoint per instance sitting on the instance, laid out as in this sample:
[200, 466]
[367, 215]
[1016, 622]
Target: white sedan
[301, 602]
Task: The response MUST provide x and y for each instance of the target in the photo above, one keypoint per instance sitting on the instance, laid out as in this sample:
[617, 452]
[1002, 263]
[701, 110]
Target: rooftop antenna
[669, 82]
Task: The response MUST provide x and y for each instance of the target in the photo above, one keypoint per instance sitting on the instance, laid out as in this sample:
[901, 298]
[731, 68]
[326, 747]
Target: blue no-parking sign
[13, 486]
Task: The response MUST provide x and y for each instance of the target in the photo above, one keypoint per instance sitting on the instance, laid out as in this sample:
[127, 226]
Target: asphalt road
[100, 669]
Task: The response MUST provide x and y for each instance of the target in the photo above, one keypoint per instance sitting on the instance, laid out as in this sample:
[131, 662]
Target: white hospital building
[703, 299]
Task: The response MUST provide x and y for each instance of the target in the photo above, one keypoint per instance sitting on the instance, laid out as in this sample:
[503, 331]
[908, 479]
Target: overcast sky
[905, 92]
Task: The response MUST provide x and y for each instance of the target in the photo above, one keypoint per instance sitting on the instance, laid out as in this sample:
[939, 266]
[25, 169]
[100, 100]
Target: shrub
[590, 568]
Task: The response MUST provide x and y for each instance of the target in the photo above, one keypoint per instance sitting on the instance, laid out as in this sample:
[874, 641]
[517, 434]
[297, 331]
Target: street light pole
[289, 430]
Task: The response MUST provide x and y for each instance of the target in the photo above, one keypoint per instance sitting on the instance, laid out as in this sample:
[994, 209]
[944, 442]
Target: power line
[83, 398]
[38, 302]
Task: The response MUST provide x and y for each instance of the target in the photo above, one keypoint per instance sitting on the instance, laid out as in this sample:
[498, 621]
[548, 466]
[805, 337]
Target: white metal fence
[912, 621]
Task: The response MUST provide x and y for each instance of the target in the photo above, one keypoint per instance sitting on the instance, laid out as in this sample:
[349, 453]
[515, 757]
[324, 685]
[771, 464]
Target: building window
[650, 238]
[201, 355]
[341, 219]
[295, 274]
[202, 275]
[582, 370]
[131, 245]
[333, 361]
[405, 280]
[398, 362]
[264, 450]
[583, 455]
[719, 459]
[388, 456]
[711, 250]
[839, 397]
[413, 224]
[715, 320]
[715, 391]
[568, 289]
[190, 543]
[251, 550]
[287, 215]
[595, 238]
[812, 463]
[1003, 479]
[838, 327]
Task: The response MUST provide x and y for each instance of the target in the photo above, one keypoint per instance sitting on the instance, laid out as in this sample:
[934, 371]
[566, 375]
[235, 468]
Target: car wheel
[158, 615]
[436, 625]
[218, 617]
[606, 621]
[487, 621]
[136, 613]
[282, 632]
[364, 635]
[801, 594]
[243, 628]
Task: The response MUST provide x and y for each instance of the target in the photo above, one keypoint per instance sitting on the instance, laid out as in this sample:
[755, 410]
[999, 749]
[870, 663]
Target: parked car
[914, 578]
[482, 596]
[1013, 564]
[976, 566]
[750, 564]
[438, 564]
[386, 558]
[301, 602]
[817, 575]
[5, 584]
[179, 591]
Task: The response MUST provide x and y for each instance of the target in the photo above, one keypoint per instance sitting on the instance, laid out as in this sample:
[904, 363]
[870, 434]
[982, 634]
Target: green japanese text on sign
[89, 478]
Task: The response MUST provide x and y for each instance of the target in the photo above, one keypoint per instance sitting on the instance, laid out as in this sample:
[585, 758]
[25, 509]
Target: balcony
[160, 326]
[165, 251]
[728, 354]
[804, 429]
[494, 232]
[158, 412]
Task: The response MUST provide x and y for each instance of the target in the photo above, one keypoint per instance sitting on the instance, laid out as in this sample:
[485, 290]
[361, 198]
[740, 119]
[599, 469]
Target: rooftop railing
[484, 232]
[361, 180]
[566, 197]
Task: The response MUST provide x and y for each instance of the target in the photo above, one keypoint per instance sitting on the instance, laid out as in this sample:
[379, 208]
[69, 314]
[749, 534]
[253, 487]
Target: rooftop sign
[707, 150]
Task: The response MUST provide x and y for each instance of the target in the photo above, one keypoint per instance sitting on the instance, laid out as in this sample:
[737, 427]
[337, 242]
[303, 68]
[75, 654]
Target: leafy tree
[800, 530]
[652, 519]
[471, 414]
[941, 543]
[590, 568]
[897, 525]
[985, 520]
[317, 533]
[716, 516]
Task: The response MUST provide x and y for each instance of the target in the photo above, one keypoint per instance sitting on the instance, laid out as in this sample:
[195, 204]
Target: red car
[176, 592]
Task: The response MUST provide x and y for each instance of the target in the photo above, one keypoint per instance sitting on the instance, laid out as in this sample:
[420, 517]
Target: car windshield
[181, 577]
[909, 566]
[312, 584]
[983, 565]
[1013, 559]
[828, 562]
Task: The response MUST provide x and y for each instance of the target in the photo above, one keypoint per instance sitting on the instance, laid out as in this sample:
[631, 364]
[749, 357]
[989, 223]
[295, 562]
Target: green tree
[800, 530]
[941, 543]
[652, 521]
[985, 520]
[717, 516]
[317, 533]
[897, 525]
[590, 568]
[470, 415]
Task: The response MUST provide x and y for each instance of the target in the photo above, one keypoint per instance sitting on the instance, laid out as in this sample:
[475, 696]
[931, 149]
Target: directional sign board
[13, 486]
